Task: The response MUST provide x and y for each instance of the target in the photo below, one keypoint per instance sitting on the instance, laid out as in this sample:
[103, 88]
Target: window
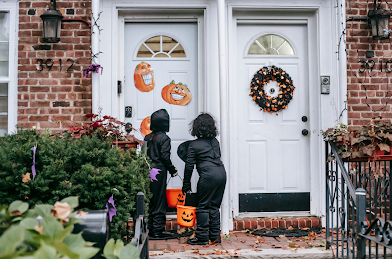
[161, 47]
[4, 70]
[270, 45]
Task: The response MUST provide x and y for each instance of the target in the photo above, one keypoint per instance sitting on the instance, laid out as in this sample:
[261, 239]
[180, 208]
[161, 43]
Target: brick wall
[378, 83]
[53, 99]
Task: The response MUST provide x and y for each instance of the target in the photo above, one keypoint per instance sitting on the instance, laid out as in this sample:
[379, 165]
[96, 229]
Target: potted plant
[370, 142]
[107, 127]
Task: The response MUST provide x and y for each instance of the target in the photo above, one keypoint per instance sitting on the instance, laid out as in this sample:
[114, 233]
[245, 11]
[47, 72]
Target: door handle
[305, 132]
[304, 118]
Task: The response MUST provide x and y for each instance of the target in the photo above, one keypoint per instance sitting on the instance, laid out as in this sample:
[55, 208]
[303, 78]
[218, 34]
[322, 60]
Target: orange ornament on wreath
[144, 77]
[145, 126]
[177, 94]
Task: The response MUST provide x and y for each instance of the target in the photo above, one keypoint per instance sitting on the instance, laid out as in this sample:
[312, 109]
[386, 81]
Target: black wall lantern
[52, 23]
[379, 22]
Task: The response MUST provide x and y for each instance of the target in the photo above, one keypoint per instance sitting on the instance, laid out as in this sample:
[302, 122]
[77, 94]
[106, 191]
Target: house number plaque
[50, 62]
[369, 65]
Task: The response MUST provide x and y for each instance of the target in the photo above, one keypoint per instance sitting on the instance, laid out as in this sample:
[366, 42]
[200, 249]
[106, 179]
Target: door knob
[304, 118]
[305, 132]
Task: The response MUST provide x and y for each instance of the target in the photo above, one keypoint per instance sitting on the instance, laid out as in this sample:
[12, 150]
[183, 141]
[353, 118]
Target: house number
[369, 65]
[50, 62]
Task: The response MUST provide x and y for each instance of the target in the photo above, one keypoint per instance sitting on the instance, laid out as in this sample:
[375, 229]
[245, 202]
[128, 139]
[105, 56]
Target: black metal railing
[357, 204]
[140, 238]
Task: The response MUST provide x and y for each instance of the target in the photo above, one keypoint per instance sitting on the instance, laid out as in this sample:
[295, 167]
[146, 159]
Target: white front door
[170, 51]
[273, 152]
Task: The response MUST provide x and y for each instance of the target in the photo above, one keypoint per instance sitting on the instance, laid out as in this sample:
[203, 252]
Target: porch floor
[241, 244]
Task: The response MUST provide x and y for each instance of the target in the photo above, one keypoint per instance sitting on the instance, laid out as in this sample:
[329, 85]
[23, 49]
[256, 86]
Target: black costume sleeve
[189, 165]
[165, 155]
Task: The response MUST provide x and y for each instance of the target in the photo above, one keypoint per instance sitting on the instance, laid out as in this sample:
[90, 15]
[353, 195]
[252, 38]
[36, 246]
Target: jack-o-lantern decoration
[187, 217]
[145, 126]
[177, 94]
[144, 77]
[180, 199]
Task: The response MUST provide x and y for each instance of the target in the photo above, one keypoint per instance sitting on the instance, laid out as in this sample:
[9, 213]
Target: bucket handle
[173, 177]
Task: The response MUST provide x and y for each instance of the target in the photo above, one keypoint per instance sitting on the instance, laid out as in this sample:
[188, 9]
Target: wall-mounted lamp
[52, 23]
[379, 21]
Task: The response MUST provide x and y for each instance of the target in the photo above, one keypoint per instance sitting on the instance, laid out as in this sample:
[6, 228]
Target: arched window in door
[270, 44]
[161, 46]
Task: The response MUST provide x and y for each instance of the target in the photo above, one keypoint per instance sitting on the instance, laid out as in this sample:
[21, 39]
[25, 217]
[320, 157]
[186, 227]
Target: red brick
[247, 224]
[275, 223]
[40, 104]
[240, 225]
[39, 118]
[48, 125]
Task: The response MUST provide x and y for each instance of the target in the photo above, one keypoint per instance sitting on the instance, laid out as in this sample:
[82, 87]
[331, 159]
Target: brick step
[260, 223]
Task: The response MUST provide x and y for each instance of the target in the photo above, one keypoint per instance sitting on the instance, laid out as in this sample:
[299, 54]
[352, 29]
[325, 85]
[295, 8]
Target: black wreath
[286, 88]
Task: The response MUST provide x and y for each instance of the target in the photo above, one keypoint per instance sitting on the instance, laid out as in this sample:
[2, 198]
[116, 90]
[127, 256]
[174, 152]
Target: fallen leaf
[62, 210]
[39, 229]
[282, 236]
[26, 178]
[83, 214]
[290, 228]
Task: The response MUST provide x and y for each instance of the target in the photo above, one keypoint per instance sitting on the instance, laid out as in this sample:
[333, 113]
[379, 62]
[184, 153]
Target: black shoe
[161, 236]
[196, 241]
[216, 240]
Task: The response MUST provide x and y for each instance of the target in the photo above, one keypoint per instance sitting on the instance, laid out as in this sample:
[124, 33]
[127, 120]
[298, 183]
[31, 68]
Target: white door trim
[311, 19]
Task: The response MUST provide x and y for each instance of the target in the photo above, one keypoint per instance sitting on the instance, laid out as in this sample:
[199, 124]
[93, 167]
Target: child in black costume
[204, 152]
[159, 145]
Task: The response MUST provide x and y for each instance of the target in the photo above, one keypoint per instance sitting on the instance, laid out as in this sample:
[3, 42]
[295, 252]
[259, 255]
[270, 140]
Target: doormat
[285, 232]
[174, 234]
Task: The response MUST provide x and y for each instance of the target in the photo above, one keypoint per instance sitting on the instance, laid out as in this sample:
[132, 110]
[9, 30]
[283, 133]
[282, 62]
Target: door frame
[310, 17]
[160, 15]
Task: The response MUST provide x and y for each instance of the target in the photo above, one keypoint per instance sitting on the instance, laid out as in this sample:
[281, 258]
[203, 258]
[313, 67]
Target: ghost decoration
[144, 77]
[177, 94]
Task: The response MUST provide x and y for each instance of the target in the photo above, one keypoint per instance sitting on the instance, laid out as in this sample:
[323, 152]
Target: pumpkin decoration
[144, 77]
[145, 126]
[187, 217]
[177, 94]
[180, 199]
[266, 102]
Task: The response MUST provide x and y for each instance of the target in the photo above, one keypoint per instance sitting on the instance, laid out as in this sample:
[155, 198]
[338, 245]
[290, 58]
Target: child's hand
[186, 187]
[173, 173]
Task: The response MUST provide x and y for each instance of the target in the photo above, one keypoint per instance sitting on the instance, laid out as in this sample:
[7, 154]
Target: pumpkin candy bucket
[175, 197]
[186, 216]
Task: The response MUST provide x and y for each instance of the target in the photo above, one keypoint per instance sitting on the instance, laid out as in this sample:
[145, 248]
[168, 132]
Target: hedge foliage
[89, 168]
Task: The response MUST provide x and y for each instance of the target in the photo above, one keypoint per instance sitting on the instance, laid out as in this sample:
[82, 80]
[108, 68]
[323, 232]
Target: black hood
[160, 121]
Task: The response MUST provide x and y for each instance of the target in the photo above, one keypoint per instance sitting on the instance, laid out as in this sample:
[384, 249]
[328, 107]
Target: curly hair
[203, 126]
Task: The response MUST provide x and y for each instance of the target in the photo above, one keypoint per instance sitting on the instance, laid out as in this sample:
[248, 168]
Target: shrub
[88, 167]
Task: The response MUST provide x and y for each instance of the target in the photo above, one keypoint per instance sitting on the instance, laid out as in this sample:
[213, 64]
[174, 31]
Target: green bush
[87, 167]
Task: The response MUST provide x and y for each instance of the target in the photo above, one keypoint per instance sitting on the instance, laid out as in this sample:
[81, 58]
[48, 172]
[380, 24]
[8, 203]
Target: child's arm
[165, 156]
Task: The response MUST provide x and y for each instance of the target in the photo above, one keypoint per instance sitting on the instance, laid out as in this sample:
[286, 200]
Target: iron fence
[358, 206]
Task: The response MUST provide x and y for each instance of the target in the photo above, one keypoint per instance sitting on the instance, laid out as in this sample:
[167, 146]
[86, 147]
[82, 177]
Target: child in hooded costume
[159, 145]
[204, 152]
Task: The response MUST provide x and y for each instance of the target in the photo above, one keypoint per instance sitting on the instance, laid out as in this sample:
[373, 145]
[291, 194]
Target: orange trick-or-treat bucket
[186, 216]
[175, 197]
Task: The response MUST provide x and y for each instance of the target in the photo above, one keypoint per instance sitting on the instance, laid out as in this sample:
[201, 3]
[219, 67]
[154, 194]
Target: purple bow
[94, 68]
[111, 208]
[33, 165]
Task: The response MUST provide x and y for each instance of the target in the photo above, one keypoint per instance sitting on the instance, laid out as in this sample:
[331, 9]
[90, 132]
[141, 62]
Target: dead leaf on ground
[290, 228]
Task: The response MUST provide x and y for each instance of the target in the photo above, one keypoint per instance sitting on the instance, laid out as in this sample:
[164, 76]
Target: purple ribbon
[33, 165]
[94, 68]
[111, 208]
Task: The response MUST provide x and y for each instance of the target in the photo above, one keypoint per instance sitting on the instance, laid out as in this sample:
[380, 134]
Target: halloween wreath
[286, 88]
